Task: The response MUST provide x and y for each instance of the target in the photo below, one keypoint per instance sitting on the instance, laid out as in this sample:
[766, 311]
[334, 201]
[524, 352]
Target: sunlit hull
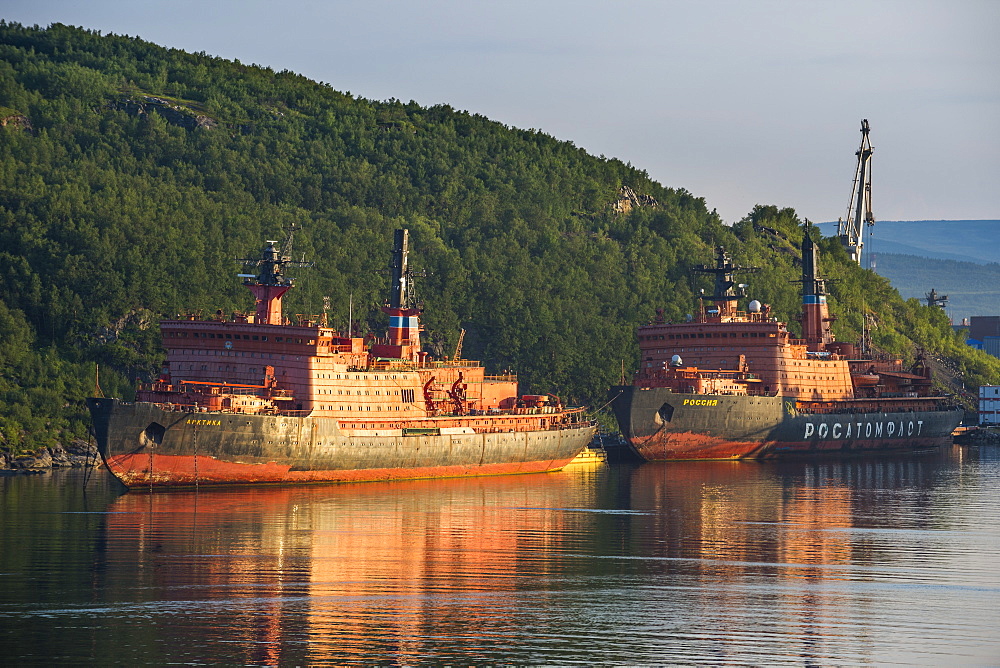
[147, 447]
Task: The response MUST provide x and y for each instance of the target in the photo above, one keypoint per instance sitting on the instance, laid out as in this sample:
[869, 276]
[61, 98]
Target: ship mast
[815, 314]
[859, 211]
[404, 321]
[726, 293]
[270, 284]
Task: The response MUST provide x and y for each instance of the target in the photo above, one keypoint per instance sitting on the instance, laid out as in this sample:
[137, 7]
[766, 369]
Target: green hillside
[132, 175]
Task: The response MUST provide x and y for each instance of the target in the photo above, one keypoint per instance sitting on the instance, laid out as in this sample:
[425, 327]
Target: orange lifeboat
[865, 379]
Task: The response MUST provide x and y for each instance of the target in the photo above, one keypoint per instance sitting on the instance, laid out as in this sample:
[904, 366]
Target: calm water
[854, 562]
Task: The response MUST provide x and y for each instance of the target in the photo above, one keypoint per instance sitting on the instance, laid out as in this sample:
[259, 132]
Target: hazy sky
[739, 102]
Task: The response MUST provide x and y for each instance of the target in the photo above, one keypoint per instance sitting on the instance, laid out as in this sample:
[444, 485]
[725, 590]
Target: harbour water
[848, 562]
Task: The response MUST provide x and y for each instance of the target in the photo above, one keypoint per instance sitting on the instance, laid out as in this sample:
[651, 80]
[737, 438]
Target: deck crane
[859, 211]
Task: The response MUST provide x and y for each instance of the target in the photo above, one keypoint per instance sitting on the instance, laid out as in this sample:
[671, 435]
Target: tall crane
[859, 211]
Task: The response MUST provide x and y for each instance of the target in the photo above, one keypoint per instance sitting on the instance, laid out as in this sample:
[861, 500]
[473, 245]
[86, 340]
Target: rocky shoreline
[76, 454]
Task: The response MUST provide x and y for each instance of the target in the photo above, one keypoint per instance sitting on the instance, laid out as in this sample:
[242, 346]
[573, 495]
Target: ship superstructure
[280, 400]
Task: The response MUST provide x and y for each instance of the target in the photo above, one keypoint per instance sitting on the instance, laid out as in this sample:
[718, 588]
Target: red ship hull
[191, 471]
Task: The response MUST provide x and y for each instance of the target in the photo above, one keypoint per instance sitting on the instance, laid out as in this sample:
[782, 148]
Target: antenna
[270, 284]
[272, 262]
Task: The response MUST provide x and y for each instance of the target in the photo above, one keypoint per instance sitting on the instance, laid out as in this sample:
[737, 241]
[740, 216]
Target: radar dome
[676, 360]
[754, 306]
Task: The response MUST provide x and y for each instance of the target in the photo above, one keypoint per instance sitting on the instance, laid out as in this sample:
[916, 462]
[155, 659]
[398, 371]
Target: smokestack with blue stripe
[404, 321]
[815, 315]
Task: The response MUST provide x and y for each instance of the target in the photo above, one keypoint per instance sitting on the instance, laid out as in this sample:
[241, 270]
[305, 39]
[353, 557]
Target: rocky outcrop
[174, 114]
[77, 454]
[18, 121]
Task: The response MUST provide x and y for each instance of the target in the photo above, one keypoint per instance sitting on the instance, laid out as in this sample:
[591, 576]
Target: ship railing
[212, 390]
[503, 378]
[446, 364]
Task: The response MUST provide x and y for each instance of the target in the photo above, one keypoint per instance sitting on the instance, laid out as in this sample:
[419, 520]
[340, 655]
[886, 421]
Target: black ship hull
[663, 425]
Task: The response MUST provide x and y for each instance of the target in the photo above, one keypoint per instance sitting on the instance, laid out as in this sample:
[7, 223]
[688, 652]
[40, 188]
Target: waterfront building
[989, 404]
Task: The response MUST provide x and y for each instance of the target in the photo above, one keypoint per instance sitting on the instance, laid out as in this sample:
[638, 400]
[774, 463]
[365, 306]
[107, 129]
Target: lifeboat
[865, 379]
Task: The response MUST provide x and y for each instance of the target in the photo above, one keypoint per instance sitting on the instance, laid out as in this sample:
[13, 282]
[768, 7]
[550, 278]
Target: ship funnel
[815, 315]
[403, 340]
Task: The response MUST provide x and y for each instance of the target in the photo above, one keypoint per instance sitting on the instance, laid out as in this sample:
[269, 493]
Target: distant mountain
[961, 240]
[957, 258]
[971, 288]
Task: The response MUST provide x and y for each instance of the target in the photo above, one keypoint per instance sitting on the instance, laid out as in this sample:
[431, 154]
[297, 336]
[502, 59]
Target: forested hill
[132, 175]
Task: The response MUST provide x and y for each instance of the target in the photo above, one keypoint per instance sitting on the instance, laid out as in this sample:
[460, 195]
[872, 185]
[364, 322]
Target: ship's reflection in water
[398, 571]
[861, 561]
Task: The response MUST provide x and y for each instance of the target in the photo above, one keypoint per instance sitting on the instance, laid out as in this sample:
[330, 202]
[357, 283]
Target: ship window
[298, 340]
[263, 338]
[255, 337]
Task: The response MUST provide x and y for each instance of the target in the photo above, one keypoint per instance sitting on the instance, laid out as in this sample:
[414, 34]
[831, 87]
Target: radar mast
[270, 283]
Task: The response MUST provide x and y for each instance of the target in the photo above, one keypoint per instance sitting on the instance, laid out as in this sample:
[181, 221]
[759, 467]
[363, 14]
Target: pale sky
[739, 102]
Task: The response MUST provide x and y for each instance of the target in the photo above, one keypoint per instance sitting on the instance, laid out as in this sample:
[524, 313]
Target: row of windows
[237, 337]
[387, 392]
[229, 353]
[709, 335]
[358, 376]
[359, 408]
